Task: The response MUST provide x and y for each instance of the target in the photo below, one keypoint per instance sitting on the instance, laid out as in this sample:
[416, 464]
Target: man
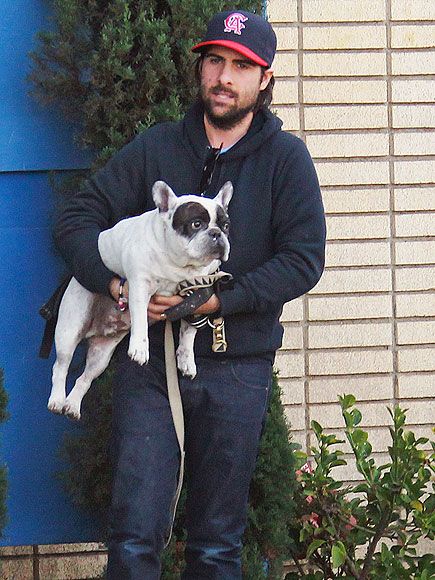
[277, 254]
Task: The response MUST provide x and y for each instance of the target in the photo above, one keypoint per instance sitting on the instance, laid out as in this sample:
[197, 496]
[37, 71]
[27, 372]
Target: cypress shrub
[117, 67]
[268, 540]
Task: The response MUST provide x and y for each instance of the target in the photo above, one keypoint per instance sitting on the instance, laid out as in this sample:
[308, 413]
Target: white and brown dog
[185, 238]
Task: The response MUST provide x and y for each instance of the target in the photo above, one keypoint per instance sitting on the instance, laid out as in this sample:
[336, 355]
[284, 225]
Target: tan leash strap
[176, 406]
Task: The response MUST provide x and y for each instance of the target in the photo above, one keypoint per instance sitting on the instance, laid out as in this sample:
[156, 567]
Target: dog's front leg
[185, 354]
[139, 295]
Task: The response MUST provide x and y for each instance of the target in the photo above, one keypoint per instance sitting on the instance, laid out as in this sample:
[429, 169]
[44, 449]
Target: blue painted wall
[31, 138]
[33, 141]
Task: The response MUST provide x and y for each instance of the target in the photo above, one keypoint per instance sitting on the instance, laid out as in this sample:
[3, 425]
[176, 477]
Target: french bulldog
[184, 238]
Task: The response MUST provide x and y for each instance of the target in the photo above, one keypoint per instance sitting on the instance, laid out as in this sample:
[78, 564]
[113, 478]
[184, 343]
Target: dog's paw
[55, 405]
[138, 354]
[71, 409]
[186, 363]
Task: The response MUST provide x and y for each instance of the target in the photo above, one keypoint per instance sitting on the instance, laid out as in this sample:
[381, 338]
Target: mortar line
[305, 313]
[392, 202]
[35, 562]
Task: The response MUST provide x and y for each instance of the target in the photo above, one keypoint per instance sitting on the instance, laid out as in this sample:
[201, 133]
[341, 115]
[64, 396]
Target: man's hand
[212, 305]
[158, 304]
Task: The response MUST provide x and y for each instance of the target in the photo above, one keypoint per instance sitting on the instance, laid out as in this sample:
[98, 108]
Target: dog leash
[176, 406]
[195, 293]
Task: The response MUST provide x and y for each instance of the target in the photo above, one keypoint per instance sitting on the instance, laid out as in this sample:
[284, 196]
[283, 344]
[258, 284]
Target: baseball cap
[248, 34]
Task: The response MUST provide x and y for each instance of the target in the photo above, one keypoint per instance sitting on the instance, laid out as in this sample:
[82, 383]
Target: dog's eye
[196, 224]
[226, 226]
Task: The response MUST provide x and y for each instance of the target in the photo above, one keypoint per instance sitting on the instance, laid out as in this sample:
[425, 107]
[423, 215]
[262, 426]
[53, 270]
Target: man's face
[230, 85]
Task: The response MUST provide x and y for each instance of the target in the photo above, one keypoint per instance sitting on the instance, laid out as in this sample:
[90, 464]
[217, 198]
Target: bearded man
[277, 237]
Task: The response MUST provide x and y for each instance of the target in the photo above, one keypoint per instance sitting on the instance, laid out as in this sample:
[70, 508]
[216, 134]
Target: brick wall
[355, 80]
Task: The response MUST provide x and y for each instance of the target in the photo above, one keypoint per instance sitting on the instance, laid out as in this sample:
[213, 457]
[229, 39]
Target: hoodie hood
[264, 126]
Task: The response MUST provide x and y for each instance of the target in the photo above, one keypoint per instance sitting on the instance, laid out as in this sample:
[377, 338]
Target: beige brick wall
[362, 99]
[353, 81]
[53, 562]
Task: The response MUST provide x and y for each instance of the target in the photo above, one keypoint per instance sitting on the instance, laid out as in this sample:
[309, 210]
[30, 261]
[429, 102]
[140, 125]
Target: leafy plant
[371, 530]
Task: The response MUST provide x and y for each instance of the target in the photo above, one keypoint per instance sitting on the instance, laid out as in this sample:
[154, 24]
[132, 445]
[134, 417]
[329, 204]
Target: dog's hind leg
[58, 390]
[70, 330]
[100, 350]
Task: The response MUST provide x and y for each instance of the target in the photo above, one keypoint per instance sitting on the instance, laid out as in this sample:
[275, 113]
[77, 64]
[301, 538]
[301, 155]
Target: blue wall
[33, 142]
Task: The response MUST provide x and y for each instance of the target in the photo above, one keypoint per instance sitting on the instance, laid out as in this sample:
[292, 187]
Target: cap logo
[234, 23]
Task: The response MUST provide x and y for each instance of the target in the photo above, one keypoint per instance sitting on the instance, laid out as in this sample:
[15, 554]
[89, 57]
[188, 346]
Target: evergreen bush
[118, 67]
[3, 473]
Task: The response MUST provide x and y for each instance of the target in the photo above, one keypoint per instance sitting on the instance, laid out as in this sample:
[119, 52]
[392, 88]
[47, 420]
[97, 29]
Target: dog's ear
[225, 194]
[163, 196]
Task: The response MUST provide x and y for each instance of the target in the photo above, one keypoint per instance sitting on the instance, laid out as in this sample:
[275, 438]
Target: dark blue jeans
[224, 409]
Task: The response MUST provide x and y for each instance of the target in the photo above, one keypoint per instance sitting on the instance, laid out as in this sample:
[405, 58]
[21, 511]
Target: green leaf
[338, 553]
[366, 449]
[386, 555]
[356, 416]
[300, 456]
[338, 462]
[347, 401]
[315, 544]
[348, 418]
[317, 428]
[417, 505]
[359, 436]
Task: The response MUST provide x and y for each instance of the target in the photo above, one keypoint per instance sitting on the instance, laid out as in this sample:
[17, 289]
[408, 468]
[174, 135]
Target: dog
[184, 238]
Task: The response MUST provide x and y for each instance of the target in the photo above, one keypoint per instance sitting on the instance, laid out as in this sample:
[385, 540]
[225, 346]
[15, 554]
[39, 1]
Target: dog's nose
[215, 234]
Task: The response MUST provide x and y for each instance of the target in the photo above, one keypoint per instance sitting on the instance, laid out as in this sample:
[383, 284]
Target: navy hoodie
[277, 231]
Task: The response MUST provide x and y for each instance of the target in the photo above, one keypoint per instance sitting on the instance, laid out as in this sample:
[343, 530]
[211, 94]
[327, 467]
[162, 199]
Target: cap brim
[234, 46]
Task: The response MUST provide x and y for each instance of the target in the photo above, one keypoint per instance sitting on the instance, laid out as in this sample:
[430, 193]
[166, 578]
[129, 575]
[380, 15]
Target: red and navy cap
[247, 33]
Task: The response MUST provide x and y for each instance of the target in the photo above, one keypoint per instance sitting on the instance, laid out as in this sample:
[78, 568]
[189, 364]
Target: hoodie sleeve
[299, 232]
[114, 192]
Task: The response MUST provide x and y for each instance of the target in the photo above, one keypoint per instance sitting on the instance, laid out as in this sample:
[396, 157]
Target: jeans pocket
[254, 375]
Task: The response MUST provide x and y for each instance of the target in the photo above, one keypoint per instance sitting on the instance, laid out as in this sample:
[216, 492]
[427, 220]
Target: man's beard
[232, 117]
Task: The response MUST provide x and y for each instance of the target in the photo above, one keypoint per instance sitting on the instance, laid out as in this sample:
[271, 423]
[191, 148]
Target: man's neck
[227, 137]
